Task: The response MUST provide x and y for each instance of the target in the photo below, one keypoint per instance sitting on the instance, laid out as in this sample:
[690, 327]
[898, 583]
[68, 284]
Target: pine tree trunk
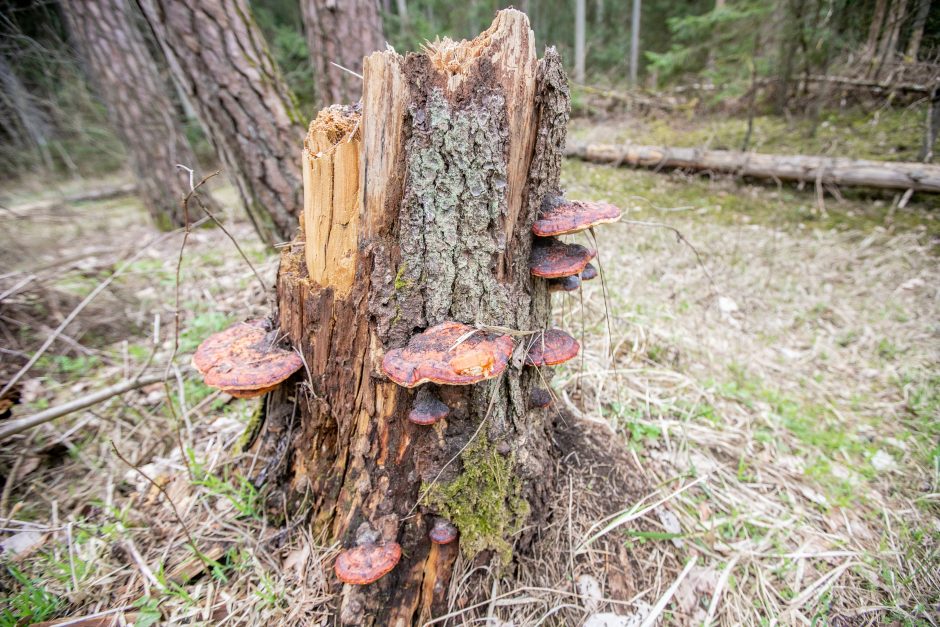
[419, 211]
[917, 29]
[218, 56]
[145, 119]
[344, 33]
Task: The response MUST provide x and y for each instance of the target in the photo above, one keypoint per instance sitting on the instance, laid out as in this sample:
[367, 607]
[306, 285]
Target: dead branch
[11, 427]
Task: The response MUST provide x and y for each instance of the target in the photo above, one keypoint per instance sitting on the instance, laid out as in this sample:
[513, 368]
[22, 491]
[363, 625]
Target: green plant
[31, 604]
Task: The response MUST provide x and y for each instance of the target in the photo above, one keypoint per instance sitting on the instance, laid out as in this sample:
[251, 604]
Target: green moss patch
[484, 502]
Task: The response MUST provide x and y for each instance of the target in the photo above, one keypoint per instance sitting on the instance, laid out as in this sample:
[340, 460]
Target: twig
[682, 240]
[18, 425]
[346, 69]
[664, 600]
[192, 194]
[78, 309]
[192, 543]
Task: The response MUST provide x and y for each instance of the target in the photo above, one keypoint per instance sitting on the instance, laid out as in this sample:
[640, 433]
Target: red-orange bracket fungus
[551, 347]
[449, 353]
[559, 216]
[243, 360]
[553, 259]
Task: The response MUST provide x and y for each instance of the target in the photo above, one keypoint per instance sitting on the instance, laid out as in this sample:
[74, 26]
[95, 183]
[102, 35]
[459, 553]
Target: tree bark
[419, 211]
[884, 174]
[144, 117]
[219, 58]
[344, 33]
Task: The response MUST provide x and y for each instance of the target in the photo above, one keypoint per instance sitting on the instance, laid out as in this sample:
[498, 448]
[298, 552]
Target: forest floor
[774, 376]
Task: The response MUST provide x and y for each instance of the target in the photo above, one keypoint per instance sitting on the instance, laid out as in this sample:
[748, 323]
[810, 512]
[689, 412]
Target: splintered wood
[332, 198]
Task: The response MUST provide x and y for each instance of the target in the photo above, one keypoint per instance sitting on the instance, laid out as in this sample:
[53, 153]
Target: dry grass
[780, 427]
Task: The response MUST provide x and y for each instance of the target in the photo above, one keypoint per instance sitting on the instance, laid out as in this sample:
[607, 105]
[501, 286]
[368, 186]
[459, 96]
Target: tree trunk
[874, 28]
[218, 56]
[341, 33]
[931, 127]
[634, 42]
[419, 211]
[580, 18]
[884, 174]
[143, 116]
[888, 45]
[917, 30]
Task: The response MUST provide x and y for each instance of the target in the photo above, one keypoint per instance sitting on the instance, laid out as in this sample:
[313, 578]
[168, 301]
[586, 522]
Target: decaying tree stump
[418, 209]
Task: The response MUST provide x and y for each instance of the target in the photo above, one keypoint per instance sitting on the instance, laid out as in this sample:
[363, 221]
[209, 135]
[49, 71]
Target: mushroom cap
[367, 562]
[242, 358]
[540, 398]
[450, 353]
[551, 347]
[443, 532]
[565, 283]
[552, 259]
[427, 408]
[589, 272]
[559, 216]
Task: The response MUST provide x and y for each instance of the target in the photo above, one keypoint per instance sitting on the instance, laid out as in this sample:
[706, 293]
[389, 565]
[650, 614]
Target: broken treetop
[450, 353]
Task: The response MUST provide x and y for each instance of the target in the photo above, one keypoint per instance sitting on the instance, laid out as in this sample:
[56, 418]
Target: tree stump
[418, 209]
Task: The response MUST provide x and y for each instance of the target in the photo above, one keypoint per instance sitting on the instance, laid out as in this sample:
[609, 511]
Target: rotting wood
[331, 198]
[457, 148]
[813, 169]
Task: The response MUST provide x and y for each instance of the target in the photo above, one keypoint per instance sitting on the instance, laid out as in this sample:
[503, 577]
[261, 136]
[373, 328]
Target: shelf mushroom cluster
[452, 353]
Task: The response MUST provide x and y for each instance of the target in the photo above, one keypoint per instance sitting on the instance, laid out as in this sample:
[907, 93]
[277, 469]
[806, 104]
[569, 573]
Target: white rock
[589, 588]
[882, 461]
[671, 524]
[727, 305]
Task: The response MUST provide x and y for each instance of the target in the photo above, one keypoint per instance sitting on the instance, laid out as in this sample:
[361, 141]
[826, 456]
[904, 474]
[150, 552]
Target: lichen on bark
[451, 212]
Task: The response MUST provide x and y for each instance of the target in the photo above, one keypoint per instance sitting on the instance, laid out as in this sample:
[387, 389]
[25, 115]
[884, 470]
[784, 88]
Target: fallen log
[101, 193]
[920, 177]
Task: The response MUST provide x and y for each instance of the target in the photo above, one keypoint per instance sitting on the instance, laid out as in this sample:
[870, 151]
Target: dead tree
[919, 177]
[219, 58]
[418, 296]
[340, 33]
[129, 83]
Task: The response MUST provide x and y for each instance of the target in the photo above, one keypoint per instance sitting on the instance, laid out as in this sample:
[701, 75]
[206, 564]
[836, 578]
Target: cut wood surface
[920, 177]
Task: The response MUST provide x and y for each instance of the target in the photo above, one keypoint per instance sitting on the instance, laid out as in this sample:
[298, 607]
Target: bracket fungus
[551, 347]
[589, 273]
[243, 361]
[366, 563]
[449, 353]
[560, 216]
[443, 532]
[565, 284]
[553, 259]
[428, 408]
[540, 398]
